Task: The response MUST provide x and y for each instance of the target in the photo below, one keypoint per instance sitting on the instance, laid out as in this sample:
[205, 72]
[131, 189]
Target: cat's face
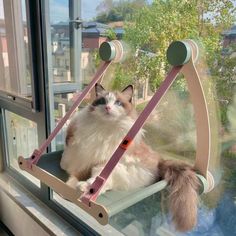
[112, 106]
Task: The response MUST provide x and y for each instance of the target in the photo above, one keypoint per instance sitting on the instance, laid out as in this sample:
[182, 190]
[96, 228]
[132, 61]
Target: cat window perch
[182, 55]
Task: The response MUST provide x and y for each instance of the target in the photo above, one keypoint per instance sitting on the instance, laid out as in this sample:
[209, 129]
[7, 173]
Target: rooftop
[92, 29]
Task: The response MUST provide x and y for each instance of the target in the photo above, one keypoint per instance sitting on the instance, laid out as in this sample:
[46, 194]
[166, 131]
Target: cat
[93, 135]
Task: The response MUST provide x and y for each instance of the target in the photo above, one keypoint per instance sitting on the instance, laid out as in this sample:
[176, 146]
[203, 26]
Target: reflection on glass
[60, 42]
[63, 60]
[61, 52]
[22, 139]
[15, 75]
[62, 103]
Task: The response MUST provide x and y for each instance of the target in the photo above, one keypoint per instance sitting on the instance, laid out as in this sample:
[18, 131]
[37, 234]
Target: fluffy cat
[93, 135]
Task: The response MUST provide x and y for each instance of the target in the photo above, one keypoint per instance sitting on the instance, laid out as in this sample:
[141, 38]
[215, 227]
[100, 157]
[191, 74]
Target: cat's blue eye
[118, 103]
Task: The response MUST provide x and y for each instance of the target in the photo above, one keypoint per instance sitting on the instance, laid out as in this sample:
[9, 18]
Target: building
[229, 36]
[93, 35]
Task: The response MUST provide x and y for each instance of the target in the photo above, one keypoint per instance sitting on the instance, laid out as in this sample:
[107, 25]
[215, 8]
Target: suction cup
[116, 51]
[180, 52]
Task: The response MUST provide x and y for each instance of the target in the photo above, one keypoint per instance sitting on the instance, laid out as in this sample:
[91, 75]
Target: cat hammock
[182, 55]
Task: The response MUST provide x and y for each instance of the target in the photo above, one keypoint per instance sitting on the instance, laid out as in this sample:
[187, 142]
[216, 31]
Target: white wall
[17, 220]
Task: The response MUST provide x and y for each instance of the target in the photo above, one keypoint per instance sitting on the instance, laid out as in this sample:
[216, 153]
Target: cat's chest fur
[94, 140]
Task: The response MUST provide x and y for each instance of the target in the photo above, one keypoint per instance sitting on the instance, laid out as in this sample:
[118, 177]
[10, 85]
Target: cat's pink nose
[108, 108]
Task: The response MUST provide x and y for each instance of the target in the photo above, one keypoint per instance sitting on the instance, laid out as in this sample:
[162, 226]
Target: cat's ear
[128, 92]
[99, 90]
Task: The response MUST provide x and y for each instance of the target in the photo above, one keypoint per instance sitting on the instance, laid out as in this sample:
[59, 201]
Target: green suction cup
[107, 51]
[179, 53]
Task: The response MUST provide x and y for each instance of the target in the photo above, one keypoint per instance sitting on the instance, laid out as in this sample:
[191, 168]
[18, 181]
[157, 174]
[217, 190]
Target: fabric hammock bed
[182, 55]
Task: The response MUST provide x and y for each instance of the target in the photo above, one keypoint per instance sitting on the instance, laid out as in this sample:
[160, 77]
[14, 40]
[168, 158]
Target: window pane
[64, 40]
[61, 50]
[139, 70]
[62, 103]
[149, 27]
[22, 140]
[14, 62]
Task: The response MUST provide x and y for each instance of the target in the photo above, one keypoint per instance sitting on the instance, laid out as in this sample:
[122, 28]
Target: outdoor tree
[224, 74]
[151, 27]
[155, 26]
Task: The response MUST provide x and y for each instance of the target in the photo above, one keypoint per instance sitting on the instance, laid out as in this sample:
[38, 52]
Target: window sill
[45, 218]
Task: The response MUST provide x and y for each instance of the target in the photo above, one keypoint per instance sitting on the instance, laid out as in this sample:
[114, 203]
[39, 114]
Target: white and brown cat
[93, 135]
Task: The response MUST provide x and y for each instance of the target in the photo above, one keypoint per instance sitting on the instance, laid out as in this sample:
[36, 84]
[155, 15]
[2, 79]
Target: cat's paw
[72, 181]
[83, 186]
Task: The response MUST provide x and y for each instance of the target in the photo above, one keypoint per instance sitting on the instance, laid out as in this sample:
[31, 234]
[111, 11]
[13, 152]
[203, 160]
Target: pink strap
[96, 186]
[38, 152]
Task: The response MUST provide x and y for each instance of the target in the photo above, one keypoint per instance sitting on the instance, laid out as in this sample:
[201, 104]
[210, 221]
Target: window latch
[77, 22]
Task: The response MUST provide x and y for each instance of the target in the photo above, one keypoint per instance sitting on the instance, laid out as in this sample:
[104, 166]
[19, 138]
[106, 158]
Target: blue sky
[59, 9]
[89, 9]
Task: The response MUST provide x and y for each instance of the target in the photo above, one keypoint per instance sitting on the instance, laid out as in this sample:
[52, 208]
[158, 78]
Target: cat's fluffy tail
[183, 198]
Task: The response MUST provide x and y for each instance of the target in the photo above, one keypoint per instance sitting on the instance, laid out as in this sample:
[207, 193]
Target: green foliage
[121, 79]
[154, 27]
[111, 34]
[223, 72]
[96, 57]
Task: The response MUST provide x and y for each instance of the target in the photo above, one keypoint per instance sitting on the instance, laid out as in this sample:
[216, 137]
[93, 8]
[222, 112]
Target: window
[49, 53]
[63, 56]
[18, 83]
[102, 22]
[22, 138]
[17, 78]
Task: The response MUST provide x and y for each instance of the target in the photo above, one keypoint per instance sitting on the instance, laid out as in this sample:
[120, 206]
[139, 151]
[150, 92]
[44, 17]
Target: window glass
[60, 50]
[149, 27]
[15, 65]
[22, 139]
[144, 69]
[59, 36]
[62, 103]
[64, 40]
